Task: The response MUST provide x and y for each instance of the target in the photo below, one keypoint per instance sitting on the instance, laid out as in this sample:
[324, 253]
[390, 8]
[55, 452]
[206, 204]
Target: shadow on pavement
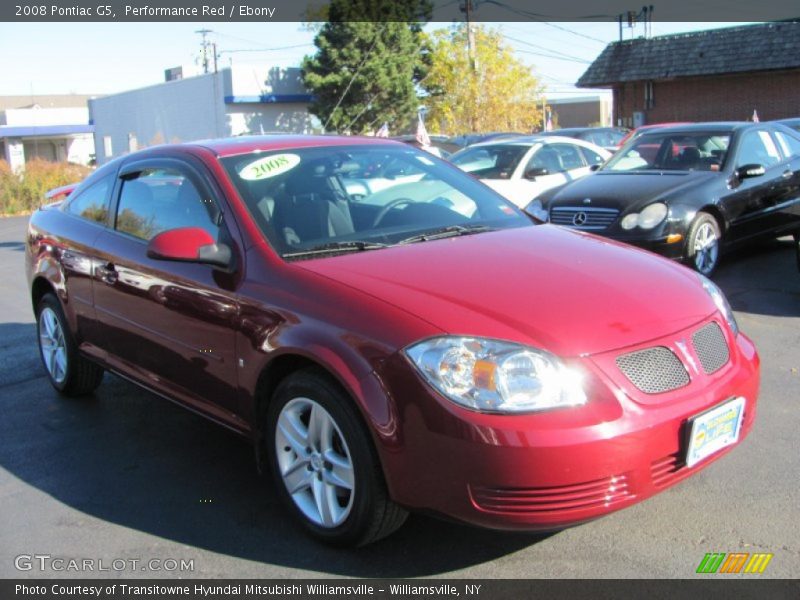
[133, 459]
[753, 288]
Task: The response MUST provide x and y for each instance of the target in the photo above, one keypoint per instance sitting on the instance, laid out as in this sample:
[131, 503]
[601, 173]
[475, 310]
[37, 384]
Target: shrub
[24, 192]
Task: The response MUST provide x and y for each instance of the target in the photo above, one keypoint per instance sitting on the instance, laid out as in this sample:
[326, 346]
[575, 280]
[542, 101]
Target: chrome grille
[584, 218]
[711, 348]
[654, 370]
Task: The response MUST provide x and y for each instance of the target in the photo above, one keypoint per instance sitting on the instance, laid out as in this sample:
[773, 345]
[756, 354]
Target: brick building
[715, 75]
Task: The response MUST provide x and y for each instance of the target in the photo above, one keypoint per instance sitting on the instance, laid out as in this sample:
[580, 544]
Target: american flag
[422, 133]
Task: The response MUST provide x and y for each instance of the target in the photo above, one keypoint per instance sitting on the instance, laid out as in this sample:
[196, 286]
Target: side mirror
[189, 244]
[750, 170]
[594, 167]
[536, 172]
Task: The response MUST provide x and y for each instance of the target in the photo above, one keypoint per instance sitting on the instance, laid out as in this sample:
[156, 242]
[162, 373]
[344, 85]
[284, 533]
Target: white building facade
[234, 101]
[56, 134]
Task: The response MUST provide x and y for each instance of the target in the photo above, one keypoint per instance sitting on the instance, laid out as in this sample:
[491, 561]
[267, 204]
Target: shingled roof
[762, 47]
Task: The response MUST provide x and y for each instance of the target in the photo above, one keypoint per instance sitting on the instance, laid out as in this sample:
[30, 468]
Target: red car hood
[558, 289]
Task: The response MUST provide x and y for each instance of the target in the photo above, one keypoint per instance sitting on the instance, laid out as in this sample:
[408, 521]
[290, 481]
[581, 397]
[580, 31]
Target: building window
[133, 143]
[649, 98]
[107, 146]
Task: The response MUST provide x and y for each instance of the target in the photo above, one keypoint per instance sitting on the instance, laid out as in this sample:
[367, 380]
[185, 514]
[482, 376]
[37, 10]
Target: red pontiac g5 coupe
[390, 333]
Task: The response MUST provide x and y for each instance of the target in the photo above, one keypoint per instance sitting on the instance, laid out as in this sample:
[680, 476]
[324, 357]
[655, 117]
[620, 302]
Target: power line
[541, 36]
[541, 18]
[265, 49]
[353, 78]
[553, 56]
[565, 55]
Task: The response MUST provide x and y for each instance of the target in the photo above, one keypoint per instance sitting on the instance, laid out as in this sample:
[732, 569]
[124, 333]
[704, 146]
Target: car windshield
[497, 161]
[312, 202]
[671, 151]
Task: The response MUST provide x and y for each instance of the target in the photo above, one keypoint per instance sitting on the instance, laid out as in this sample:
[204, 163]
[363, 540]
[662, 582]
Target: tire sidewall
[339, 407]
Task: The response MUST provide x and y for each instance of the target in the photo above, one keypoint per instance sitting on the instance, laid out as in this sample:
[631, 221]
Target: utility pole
[204, 45]
[466, 8]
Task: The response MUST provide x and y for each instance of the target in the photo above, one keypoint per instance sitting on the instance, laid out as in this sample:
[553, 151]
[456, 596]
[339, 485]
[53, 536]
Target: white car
[524, 167]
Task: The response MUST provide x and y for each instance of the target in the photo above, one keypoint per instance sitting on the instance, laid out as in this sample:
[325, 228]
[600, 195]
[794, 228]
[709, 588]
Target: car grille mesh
[711, 348]
[585, 219]
[654, 370]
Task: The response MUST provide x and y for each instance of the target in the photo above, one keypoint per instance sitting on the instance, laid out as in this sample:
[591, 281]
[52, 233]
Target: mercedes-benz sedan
[689, 191]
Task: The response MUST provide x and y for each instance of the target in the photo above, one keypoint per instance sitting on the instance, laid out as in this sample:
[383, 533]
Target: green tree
[370, 56]
[493, 92]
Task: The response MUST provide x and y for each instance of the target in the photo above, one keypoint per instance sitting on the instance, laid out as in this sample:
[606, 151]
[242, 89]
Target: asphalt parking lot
[126, 475]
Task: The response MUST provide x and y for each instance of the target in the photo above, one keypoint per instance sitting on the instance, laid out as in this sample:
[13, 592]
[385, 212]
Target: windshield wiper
[446, 232]
[336, 247]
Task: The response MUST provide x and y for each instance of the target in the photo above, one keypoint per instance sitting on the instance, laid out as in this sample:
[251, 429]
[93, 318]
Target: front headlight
[536, 209]
[720, 301]
[652, 215]
[648, 218]
[496, 376]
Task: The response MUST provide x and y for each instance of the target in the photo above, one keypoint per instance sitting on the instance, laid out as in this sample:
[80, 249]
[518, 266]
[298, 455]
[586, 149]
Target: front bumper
[554, 469]
[659, 245]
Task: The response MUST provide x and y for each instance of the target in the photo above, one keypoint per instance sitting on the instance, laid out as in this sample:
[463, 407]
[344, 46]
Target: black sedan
[688, 191]
[793, 123]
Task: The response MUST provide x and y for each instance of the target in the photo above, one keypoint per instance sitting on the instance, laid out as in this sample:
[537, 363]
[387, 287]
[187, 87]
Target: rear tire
[325, 468]
[703, 244]
[68, 372]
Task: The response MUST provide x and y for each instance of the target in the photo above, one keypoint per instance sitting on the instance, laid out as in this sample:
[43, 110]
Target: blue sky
[103, 58]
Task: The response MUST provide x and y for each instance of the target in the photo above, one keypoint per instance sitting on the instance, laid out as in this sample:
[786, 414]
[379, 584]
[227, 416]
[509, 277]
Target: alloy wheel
[315, 462]
[53, 345]
[705, 248]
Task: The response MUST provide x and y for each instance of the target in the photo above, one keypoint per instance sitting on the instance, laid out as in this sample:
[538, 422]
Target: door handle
[107, 273]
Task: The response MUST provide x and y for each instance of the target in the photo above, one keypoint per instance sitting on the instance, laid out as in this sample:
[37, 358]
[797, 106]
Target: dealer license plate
[715, 429]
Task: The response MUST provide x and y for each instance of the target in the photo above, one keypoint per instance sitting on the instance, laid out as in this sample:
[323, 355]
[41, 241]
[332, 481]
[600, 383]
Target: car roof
[527, 140]
[581, 130]
[713, 127]
[257, 143]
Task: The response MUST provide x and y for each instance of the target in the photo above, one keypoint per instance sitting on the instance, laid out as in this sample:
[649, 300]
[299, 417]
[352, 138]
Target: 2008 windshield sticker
[269, 166]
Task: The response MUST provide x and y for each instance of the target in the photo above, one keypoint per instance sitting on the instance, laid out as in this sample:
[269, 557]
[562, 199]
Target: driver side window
[546, 158]
[757, 147]
[161, 199]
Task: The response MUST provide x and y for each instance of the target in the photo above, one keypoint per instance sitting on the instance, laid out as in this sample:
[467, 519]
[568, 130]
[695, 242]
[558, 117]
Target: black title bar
[442, 10]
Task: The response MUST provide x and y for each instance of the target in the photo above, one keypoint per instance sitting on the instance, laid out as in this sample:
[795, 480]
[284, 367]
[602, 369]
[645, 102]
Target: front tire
[68, 372]
[703, 244]
[324, 465]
